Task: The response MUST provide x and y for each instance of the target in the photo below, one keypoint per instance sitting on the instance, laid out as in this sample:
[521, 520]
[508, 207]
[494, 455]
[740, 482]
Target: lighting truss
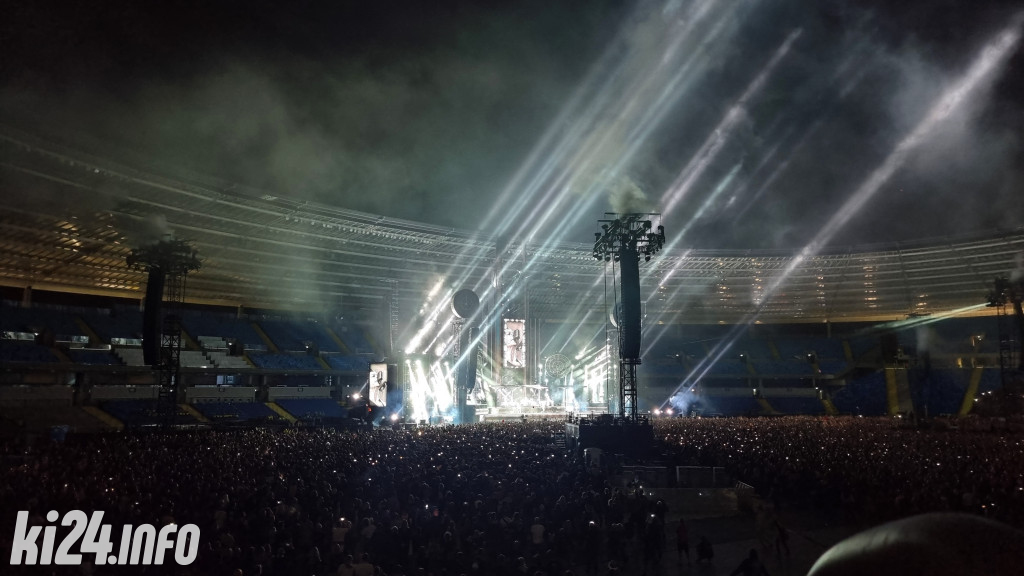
[627, 232]
[625, 237]
[174, 257]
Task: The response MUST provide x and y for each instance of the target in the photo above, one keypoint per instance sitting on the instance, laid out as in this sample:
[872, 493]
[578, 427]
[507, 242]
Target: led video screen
[377, 394]
[514, 343]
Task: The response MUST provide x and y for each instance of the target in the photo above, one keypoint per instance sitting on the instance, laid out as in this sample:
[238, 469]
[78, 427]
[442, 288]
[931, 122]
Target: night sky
[749, 124]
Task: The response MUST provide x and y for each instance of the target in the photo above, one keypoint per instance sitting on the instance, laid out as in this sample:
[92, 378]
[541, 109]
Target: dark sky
[750, 124]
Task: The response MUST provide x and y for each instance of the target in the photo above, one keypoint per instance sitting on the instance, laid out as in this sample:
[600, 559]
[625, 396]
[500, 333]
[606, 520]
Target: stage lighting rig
[1006, 297]
[1005, 291]
[626, 233]
[174, 257]
[168, 262]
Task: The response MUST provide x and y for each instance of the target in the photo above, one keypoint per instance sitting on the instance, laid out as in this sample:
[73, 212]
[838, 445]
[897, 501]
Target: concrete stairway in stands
[281, 412]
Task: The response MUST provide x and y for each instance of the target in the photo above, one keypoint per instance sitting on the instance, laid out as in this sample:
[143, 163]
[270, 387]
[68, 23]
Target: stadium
[318, 387]
[354, 289]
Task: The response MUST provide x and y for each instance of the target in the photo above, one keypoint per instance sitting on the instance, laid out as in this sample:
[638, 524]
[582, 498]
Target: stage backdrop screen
[514, 343]
[378, 385]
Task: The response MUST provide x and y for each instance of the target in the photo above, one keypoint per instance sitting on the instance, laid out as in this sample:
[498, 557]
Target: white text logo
[142, 544]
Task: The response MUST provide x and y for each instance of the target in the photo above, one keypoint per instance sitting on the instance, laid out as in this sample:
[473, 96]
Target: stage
[609, 433]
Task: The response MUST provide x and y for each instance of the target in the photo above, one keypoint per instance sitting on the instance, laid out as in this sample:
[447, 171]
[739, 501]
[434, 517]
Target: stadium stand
[939, 392]
[959, 336]
[135, 413]
[43, 416]
[39, 319]
[865, 396]
[754, 348]
[223, 360]
[353, 338]
[782, 367]
[798, 348]
[310, 408]
[17, 351]
[833, 366]
[695, 349]
[130, 356]
[729, 367]
[861, 345]
[212, 343]
[222, 325]
[296, 335]
[96, 357]
[731, 405]
[349, 363]
[991, 379]
[797, 405]
[665, 369]
[116, 323]
[194, 359]
[235, 412]
[285, 361]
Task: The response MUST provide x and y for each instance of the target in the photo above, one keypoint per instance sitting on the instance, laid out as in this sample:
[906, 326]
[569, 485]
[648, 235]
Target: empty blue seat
[285, 362]
[308, 408]
[236, 411]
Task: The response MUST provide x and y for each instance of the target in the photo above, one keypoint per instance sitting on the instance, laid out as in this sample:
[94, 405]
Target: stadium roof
[70, 219]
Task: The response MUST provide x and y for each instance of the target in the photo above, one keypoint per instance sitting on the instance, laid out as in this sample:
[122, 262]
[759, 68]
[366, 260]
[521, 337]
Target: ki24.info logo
[142, 544]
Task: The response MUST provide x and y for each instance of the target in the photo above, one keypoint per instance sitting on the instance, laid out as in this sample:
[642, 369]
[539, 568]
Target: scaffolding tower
[176, 258]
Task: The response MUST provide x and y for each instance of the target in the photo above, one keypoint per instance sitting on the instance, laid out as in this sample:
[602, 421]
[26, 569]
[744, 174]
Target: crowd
[495, 499]
[872, 469]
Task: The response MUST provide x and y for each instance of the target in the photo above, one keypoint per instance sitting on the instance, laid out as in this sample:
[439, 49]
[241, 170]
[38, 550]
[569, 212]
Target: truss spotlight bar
[629, 232]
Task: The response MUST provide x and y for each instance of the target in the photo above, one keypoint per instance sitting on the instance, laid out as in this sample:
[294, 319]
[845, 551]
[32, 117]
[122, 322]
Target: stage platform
[506, 415]
[613, 435]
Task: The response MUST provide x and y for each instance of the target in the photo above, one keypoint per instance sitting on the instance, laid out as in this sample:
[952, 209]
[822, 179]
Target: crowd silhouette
[871, 469]
[501, 499]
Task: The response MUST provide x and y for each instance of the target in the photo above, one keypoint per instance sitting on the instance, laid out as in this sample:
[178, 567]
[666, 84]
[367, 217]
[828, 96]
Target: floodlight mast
[624, 237]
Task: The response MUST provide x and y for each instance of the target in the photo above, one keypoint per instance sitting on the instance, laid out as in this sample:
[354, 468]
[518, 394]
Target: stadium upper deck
[70, 219]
